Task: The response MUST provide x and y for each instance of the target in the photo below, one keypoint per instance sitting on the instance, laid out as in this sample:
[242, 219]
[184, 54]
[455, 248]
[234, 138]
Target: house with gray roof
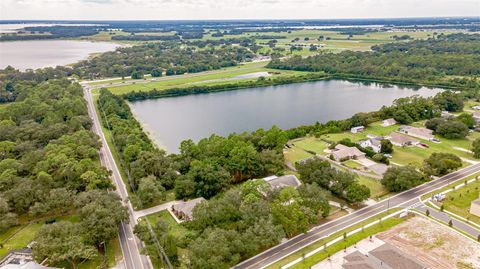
[374, 142]
[475, 207]
[385, 256]
[342, 152]
[183, 211]
[283, 181]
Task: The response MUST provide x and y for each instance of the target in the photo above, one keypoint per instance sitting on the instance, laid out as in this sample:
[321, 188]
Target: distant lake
[172, 120]
[44, 53]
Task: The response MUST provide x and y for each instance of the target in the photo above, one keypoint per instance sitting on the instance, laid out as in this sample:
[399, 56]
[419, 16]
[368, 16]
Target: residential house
[283, 181]
[447, 115]
[357, 129]
[401, 140]
[476, 117]
[20, 259]
[342, 152]
[28, 265]
[389, 122]
[475, 207]
[476, 107]
[183, 210]
[375, 143]
[422, 133]
[384, 256]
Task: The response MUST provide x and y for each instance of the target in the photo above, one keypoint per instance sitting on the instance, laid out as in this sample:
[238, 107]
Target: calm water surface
[42, 53]
[172, 120]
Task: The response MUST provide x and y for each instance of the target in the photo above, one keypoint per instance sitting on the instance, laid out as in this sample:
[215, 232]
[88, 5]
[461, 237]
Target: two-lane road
[404, 199]
[129, 243]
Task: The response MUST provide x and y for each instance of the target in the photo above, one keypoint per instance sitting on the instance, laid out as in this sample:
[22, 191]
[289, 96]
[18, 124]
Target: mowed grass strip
[320, 243]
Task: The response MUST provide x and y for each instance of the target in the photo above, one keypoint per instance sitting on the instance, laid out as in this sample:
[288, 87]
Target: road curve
[404, 199]
[129, 243]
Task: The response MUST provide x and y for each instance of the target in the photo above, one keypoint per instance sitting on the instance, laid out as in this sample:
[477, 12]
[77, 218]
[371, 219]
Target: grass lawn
[459, 201]
[175, 229]
[376, 188]
[333, 236]
[311, 144]
[352, 164]
[295, 154]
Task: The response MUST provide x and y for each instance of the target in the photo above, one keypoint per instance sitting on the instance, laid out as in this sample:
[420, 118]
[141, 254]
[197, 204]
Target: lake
[172, 120]
[44, 53]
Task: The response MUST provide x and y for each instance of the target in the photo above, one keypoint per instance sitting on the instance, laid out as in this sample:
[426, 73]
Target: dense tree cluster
[400, 178]
[448, 128]
[342, 184]
[49, 166]
[165, 55]
[439, 164]
[420, 61]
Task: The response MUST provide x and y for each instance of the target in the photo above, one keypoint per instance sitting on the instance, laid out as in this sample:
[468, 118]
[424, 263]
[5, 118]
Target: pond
[44, 53]
[172, 120]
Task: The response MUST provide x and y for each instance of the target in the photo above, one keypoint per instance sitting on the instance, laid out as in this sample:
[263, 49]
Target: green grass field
[375, 229]
[215, 77]
[458, 201]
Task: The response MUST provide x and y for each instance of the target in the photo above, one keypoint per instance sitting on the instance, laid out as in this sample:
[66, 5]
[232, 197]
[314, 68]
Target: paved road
[443, 217]
[129, 243]
[405, 199]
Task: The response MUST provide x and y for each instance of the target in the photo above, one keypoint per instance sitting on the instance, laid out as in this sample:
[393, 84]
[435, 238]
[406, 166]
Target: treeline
[260, 82]
[429, 61]
[146, 37]
[164, 55]
[49, 167]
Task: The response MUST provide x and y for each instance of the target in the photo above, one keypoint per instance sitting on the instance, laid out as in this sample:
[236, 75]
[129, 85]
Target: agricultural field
[244, 72]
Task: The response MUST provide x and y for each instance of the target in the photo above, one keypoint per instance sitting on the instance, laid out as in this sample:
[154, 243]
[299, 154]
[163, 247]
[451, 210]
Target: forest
[444, 60]
[49, 167]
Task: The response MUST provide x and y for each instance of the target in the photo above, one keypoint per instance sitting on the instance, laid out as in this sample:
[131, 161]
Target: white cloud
[233, 9]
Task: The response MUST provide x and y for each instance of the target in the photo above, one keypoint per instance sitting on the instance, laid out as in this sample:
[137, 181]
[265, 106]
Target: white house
[357, 129]
[375, 143]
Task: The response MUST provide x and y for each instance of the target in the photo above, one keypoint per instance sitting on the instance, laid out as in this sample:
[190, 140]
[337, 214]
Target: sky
[232, 9]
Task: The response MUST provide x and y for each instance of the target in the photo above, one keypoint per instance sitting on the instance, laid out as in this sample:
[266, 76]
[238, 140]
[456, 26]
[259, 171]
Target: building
[476, 117]
[20, 259]
[422, 133]
[476, 107]
[475, 207]
[183, 210]
[401, 140]
[375, 143]
[385, 256]
[357, 129]
[389, 122]
[342, 152]
[283, 181]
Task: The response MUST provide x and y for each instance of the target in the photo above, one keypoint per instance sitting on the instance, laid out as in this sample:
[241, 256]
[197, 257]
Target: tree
[100, 214]
[156, 72]
[170, 72]
[439, 164]
[402, 178]
[449, 101]
[61, 242]
[287, 211]
[162, 236]
[386, 146]
[137, 75]
[476, 148]
[356, 193]
[7, 219]
[242, 161]
[209, 178]
[452, 129]
[149, 190]
[315, 198]
[467, 119]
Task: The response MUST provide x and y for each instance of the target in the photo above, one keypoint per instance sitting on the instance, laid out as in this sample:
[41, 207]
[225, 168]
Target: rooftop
[395, 258]
[283, 181]
[476, 202]
[187, 206]
[401, 139]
